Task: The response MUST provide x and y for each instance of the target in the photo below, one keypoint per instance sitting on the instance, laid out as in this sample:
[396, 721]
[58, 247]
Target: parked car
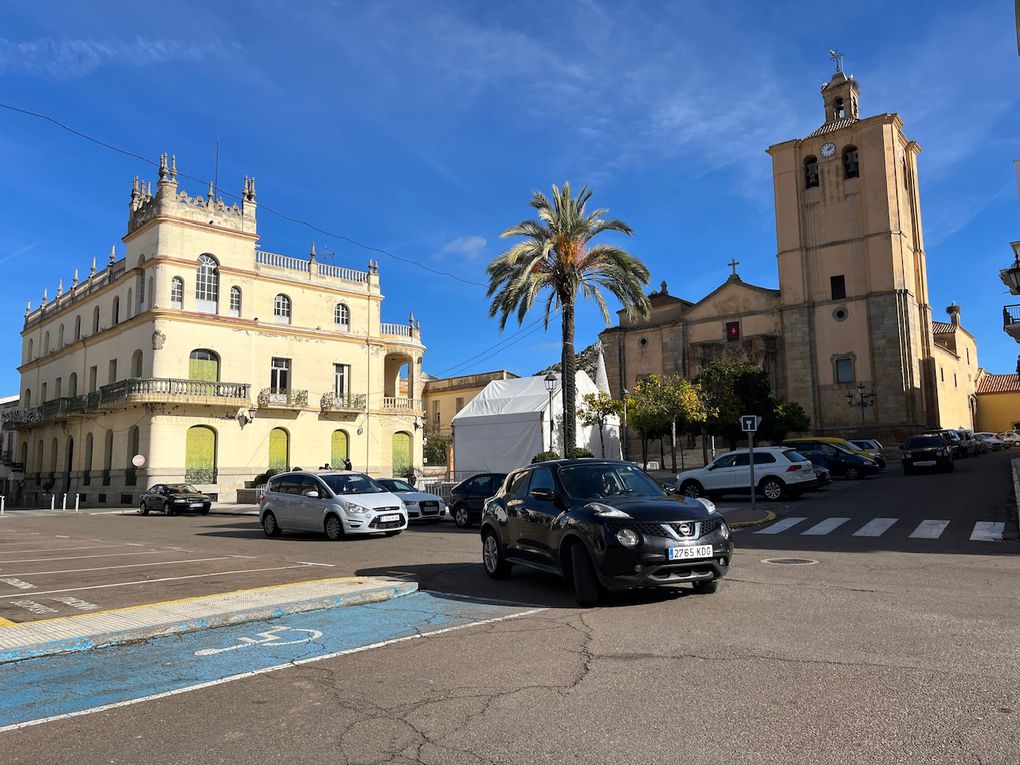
[991, 441]
[952, 439]
[970, 443]
[468, 497]
[778, 472]
[821, 466]
[1009, 439]
[927, 451]
[840, 461]
[335, 503]
[420, 505]
[604, 525]
[872, 449]
[174, 498]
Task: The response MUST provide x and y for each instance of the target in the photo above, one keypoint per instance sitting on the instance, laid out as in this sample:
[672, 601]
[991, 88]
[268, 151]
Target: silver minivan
[336, 503]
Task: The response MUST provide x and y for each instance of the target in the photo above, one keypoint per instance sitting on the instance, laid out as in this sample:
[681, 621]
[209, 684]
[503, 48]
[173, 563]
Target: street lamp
[624, 394]
[550, 386]
[862, 400]
[1011, 276]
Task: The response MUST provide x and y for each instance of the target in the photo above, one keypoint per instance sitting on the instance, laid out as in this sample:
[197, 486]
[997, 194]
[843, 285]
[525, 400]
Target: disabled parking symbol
[270, 637]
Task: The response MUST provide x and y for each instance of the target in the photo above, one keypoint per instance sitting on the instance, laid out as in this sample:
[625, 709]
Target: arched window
[207, 284]
[152, 295]
[340, 448]
[342, 317]
[281, 309]
[31, 349]
[177, 292]
[42, 397]
[60, 337]
[850, 164]
[279, 449]
[95, 320]
[130, 304]
[72, 385]
[38, 456]
[115, 316]
[88, 452]
[108, 456]
[28, 398]
[200, 455]
[46, 343]
[134, 445]
[54, 453]
[204, 364]
[136, 364]
[68, 456]
[235, 301]
[401, 453]
[77, 327]
[810, 172]
[24, 456]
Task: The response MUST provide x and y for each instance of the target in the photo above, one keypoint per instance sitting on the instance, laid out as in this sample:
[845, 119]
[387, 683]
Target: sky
[422, 129]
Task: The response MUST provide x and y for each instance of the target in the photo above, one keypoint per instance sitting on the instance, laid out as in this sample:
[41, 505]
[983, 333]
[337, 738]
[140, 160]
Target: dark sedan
[929, 451]
[468, 497]
[173, 498]
[604, 525]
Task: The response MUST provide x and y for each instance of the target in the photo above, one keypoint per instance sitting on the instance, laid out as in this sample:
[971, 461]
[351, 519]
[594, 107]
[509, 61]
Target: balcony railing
[399, 330]
[283, 399]
[1010, 316]
[401, 404]
[171, 388]
[350, 402]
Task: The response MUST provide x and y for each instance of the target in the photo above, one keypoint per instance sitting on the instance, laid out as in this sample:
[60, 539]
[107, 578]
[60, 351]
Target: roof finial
[74, 283]
[312, 254]
[733, 264]
[212, 192]
[60, 286]
[113, 254]
[44, 297]
[665, 290]
[92, 272]
[28, 307]
[837, 57]
[164, 169]
[173, 167]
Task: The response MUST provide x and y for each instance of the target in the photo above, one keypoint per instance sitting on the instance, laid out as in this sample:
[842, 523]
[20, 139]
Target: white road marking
[876, 527]
[13, 582]
[35, 608]
[58, 549]
[929, 530]
[310, 563]
[81, 557]
[82, 605]
[267, 670]
[987, 531]
[126, 565]
[820, 529]
[779, 526]
[269, 637]
[61, 536]
[154, 581]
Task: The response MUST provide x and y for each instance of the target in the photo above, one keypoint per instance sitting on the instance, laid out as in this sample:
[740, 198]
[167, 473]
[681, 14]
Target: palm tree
[556, 256]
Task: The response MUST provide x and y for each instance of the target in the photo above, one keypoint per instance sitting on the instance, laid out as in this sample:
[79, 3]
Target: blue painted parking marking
[56, 687]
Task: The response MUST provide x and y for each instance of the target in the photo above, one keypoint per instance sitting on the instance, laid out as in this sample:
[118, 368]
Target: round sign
[138, 460]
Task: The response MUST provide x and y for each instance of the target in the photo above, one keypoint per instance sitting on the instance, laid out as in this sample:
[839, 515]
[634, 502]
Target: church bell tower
[852, 270]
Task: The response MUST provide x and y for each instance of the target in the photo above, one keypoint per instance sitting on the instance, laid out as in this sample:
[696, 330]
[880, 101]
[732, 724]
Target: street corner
[742, 518]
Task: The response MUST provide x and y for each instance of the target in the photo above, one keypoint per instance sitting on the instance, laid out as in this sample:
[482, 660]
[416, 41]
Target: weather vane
[837, 56]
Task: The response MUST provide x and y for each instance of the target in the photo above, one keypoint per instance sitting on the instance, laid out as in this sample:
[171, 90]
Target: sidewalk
[739, 517]
[81, 633]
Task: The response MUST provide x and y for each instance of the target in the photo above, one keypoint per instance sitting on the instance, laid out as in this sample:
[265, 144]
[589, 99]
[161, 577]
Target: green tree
[787, 417]
[646, 413]
[596, 409]
[730, 390]
[685, 407]
[556, 258]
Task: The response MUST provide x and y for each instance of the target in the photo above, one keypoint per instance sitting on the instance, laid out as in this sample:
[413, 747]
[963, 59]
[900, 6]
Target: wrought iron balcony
[274, 398]
[1011, 320]
[401, 404]
[350, 402]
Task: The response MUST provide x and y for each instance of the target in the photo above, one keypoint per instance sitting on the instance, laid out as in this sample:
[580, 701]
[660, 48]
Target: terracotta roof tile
[831, 127]
[999, 384]
[943, 327]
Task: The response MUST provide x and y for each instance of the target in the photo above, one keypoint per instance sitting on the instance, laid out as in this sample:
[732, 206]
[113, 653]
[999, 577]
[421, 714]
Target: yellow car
[842, 443]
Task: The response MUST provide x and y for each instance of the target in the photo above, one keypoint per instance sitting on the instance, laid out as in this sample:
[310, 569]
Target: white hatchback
[334, 503]
[1009, 439]
[779, 471]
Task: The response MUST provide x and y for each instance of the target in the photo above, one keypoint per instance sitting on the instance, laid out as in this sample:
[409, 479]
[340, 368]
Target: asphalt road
[887, 648]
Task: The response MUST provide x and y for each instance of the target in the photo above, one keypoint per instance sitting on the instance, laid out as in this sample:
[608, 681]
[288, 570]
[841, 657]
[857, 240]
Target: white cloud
[463, 247]
[67, 58]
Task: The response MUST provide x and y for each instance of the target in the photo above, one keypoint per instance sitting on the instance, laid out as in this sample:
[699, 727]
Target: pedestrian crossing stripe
[983, 531]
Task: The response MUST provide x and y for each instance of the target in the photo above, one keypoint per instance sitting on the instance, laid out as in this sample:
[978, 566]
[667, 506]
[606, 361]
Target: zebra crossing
[981, 531]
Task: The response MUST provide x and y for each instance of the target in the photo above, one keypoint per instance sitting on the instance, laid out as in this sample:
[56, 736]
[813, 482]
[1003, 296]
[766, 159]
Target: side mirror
[668, 488]
[543, 495]
[713, 466]
[312, 494]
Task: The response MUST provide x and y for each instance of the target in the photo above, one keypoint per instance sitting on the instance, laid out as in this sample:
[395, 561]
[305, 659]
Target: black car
[952, 440]
[928, 451]
[468, 497]
[605, 525]
[821, 466]
[838, 460]
[173, 498]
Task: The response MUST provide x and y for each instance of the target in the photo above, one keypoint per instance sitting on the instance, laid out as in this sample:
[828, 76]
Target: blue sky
[423, 127]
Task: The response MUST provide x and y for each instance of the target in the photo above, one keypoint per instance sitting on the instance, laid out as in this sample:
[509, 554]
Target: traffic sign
[749, 422]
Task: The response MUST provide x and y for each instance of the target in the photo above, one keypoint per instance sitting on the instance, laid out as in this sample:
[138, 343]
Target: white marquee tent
[507, 424]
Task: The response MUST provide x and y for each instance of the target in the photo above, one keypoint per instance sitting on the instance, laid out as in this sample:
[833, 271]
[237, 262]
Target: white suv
[335, 503]
[779, 471]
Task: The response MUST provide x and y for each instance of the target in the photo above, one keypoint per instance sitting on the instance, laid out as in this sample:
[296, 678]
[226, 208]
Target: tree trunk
[569, 383]
[644, 449]
[672, 446]
[704, 446]
[662, 454]
[602, 438]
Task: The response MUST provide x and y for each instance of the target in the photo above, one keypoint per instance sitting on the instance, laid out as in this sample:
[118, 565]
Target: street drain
[790, 561]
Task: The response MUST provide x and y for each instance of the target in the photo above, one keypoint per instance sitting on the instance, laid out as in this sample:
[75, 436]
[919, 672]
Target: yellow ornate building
[199, 357]
[852, 305]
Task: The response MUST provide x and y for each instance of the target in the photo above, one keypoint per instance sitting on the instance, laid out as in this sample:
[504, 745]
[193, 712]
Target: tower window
[838, 286]
[177, 292]
[342, 317]
[810, 172]
[281, 309]
[732, 331]
[207, 284]
[844, 370]
[235, 301]
[850, 164]
[837, 109]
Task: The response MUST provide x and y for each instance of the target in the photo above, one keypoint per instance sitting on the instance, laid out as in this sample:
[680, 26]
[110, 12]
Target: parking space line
[987, 531]
[126, 565]
[876, 527]
[929, 529]
[14, 582]
[84, 557]
[60, 549]
[780, 526]
[310, 563]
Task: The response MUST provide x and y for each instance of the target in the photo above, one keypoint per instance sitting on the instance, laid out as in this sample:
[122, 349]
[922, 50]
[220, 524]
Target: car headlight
[709, 504]
[628, 537]
[354, 507]
[724, 530]
[606, 511]
[907, 455]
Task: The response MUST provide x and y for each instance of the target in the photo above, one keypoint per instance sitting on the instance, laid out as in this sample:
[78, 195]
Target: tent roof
[518, 399]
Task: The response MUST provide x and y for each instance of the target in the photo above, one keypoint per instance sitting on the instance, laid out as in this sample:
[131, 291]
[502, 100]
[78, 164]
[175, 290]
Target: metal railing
[283, 398]
[1010, 315]
[402, 404]
[334, 402]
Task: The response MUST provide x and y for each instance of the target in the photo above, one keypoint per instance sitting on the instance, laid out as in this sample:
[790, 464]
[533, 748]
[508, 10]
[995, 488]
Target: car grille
[429, 507]
[657, 530]
[377, 524]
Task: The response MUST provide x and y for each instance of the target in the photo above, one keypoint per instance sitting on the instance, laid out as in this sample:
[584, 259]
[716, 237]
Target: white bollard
[3, 504]
[63, 504]
[53, 501]
[77, 496]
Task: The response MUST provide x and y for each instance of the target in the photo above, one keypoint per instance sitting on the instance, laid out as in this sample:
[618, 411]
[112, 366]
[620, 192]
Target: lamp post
[624, 394]
[550, 386]
[1011, 276]
[860, 399]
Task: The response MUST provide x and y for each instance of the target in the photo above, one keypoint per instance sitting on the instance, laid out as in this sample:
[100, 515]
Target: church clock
[828, 149]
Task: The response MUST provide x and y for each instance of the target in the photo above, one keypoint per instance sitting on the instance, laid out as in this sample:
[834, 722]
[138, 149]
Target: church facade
[852, 306]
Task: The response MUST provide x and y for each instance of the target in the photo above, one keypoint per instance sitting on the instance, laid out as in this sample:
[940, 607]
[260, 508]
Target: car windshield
[352, 483]
[182, 488]
[608, 480]
[924, 442]
[392, 484]
[795, 456]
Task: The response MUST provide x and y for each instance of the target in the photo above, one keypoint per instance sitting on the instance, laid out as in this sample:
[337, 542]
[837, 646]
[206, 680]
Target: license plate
[684, 553]
[388, 518]
[196, 504]
[924, 463]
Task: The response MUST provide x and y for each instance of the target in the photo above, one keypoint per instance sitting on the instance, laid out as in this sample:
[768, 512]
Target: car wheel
[706, 588]
[204, 511]
[392, 533]
[168, 508]
[142, 509]
[333, 527]
[772, 489]
[496, 565]
[586, 583]
[692, 489]
[852, 473]
[461, 517]
[269, 524]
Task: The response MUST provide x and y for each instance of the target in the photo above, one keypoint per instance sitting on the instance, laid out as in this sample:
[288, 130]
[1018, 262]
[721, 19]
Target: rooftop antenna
[837, 57]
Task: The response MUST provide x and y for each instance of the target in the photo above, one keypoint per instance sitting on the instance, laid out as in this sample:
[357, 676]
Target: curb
[769, 517]
[174, 624]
